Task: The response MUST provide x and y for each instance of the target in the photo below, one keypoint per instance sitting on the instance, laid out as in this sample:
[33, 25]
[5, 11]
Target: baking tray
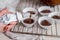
[36, 30]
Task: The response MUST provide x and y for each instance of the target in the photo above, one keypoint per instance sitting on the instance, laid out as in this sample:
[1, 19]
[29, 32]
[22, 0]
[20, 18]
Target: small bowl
[45, 8]
[44, 18]
[53, 14]
[26, 12]
[29, 25]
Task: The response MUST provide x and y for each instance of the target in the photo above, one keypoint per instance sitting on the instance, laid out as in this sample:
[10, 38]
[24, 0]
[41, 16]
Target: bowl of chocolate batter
[30, 11]
[45, 22]
[55, 16]
[28, 22]
[45, 10]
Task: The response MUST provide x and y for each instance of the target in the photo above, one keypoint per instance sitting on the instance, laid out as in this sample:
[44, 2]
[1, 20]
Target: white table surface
[3, 37]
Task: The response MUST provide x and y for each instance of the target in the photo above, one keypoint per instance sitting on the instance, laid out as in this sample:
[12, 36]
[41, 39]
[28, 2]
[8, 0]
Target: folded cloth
[7, 18]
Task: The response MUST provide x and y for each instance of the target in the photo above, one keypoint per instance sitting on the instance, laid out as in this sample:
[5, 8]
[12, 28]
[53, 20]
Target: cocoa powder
[28, 21]
[46, 11]
[56, 17]
[45, 23]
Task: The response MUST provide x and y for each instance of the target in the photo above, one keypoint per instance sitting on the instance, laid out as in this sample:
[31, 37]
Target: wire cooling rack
[54, 31]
